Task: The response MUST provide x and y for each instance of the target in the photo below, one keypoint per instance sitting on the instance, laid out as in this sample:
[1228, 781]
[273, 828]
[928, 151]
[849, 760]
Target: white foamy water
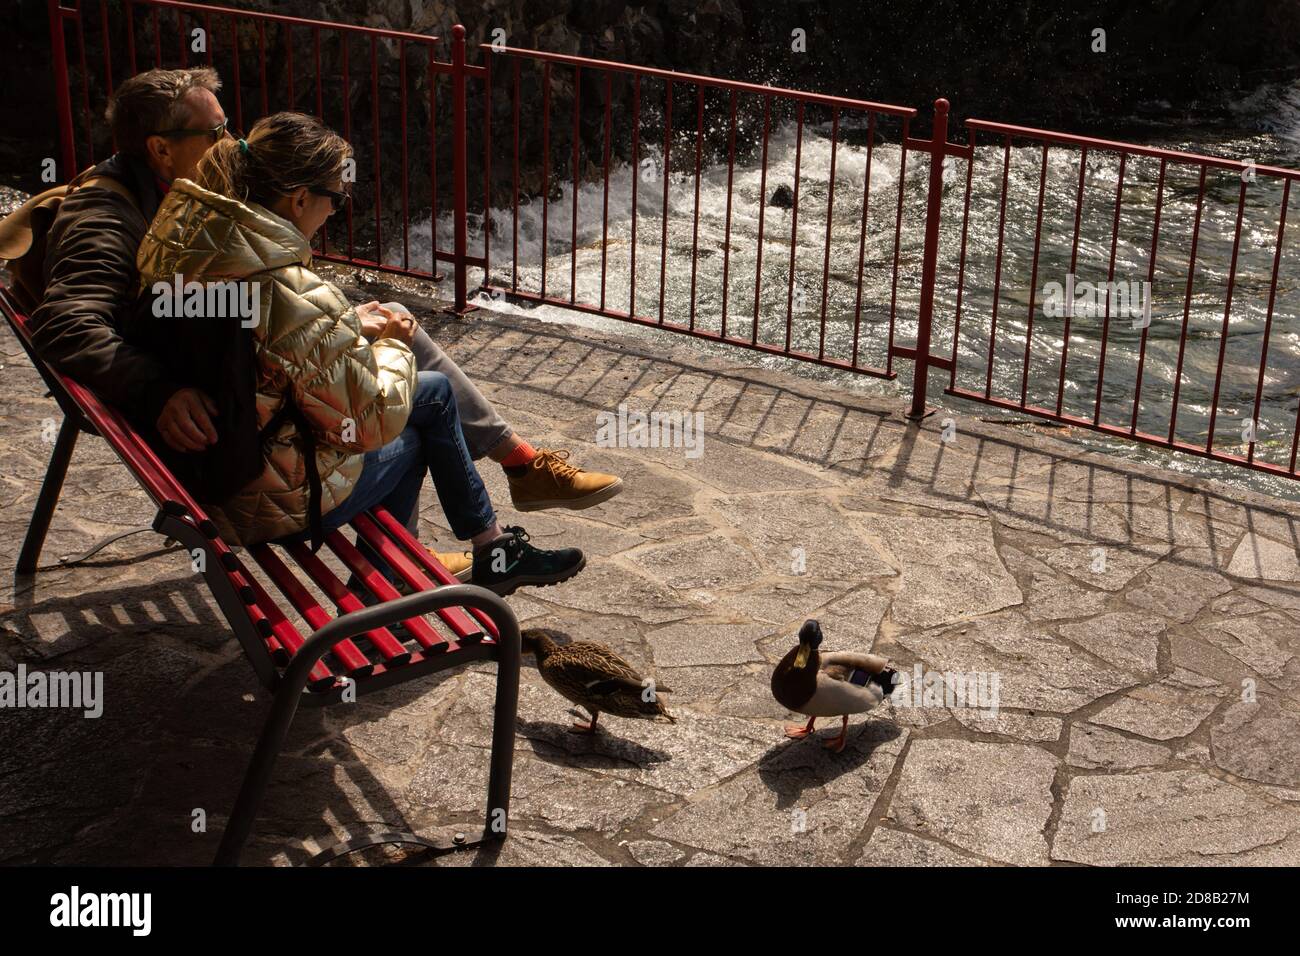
[802, 301]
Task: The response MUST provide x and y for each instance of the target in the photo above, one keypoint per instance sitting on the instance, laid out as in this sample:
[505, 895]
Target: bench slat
[322, 678]
[383, 589]
[388, 549]
[392, 650]
[402, 534]
[346, 652]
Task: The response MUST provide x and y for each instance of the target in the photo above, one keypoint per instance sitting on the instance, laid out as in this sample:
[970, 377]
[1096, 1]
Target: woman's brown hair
[283, 152]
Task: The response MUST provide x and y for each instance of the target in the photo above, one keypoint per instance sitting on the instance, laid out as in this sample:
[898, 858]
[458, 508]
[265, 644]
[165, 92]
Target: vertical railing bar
[374, 123]
[234, 53]
[63, 92]
[487, 170]
[546, 164]
[514, 226]
[287, 27]
[406, 208]
[1110, 283]
[577, 179]
[347, 124]
[1074, 258]
[898, 235]
[130, 35]
[862, 233]
[320, 103]
[108, 53]
[261, 65]
[794, 224]
[459, 170]
[726, 240]
[157, 38]
[320, 115]
[433, 165]
[1227, 314]
[636, 178]
[961, 260]
[997, 269]
[938, 150]
[604, 213]
[830, 212]
[668, 148]
[1033, 278]
[85, 88]
[180, 37]
[762, 209]
[1146, 316]
[1268, 320]
[1187, 305]
[695, 227]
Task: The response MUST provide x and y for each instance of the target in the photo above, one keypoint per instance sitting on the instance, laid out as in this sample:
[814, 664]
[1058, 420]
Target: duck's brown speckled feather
[596, 678]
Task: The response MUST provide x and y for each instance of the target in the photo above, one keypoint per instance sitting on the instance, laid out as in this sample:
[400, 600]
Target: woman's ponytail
[283, 152]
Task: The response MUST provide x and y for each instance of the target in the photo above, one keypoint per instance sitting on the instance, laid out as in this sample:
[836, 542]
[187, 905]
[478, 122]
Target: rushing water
[1267, 130]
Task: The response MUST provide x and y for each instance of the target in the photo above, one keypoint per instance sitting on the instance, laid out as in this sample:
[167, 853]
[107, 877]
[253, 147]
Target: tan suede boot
[549, 481]
[459, 563]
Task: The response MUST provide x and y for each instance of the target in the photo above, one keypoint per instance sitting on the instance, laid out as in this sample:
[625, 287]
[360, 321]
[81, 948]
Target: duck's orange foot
[836, 745]
[795, 732]
[583, 727]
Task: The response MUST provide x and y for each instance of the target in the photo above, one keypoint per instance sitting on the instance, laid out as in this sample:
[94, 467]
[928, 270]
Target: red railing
[658, 131]
[794, 281]
[1188, 309]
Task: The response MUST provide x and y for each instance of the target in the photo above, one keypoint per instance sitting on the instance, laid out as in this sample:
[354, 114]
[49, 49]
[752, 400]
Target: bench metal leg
[289, 694]
[49, 497]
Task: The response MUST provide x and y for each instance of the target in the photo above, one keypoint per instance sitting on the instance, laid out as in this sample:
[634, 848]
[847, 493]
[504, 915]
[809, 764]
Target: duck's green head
[810, 638]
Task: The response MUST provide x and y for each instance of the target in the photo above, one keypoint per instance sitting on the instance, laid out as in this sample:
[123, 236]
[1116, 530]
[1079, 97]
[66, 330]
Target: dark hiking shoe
[510, 562]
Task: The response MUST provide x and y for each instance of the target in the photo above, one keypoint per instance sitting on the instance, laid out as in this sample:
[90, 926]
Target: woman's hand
[380, 323]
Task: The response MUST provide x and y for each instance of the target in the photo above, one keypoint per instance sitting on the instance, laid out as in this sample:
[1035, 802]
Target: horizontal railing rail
[786, 222]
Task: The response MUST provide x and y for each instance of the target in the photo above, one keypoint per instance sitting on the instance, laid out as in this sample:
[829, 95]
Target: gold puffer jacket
[308, 345]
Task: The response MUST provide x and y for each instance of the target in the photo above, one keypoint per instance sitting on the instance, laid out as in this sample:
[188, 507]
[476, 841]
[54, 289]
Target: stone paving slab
[1144, 628]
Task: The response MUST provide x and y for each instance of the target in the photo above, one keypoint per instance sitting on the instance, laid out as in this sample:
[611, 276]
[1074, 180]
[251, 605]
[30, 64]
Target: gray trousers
[483, 428]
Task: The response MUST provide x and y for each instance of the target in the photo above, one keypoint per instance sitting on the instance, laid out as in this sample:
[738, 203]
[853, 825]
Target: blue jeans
[432, 441]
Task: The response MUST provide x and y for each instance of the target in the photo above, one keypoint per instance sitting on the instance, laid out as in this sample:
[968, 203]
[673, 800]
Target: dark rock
[782, 197]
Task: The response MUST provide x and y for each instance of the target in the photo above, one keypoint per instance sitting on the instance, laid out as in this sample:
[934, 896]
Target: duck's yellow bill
[801, 659]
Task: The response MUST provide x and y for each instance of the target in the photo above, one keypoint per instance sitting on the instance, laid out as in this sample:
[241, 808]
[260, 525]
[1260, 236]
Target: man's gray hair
[154, 101]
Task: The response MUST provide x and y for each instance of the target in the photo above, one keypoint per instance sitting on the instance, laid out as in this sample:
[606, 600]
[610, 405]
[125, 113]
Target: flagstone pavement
[1144, 628]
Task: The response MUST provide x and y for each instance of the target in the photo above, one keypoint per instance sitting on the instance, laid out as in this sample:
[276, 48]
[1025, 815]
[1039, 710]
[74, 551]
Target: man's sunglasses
[337, 199]
[215, 133]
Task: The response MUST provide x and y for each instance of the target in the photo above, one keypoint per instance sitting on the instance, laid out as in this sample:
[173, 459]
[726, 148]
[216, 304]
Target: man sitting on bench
[163, 122]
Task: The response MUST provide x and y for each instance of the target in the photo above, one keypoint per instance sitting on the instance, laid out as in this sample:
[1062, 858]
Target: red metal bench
[478, 624]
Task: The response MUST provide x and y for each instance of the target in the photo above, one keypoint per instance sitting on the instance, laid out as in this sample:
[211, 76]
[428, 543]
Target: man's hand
[380, 323]
[185, 423]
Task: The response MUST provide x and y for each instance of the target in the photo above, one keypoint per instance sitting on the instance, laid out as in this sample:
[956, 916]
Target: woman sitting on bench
[347, 423]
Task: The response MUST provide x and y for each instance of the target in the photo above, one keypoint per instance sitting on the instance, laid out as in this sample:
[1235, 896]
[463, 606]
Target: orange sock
[522, 455]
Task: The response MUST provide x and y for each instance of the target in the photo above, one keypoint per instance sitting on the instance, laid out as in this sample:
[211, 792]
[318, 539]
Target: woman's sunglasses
[215, 133]
[337, 199]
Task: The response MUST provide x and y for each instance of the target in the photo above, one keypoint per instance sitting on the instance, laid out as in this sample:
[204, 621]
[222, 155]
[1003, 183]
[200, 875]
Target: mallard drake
[834, 685]
[594, 677]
